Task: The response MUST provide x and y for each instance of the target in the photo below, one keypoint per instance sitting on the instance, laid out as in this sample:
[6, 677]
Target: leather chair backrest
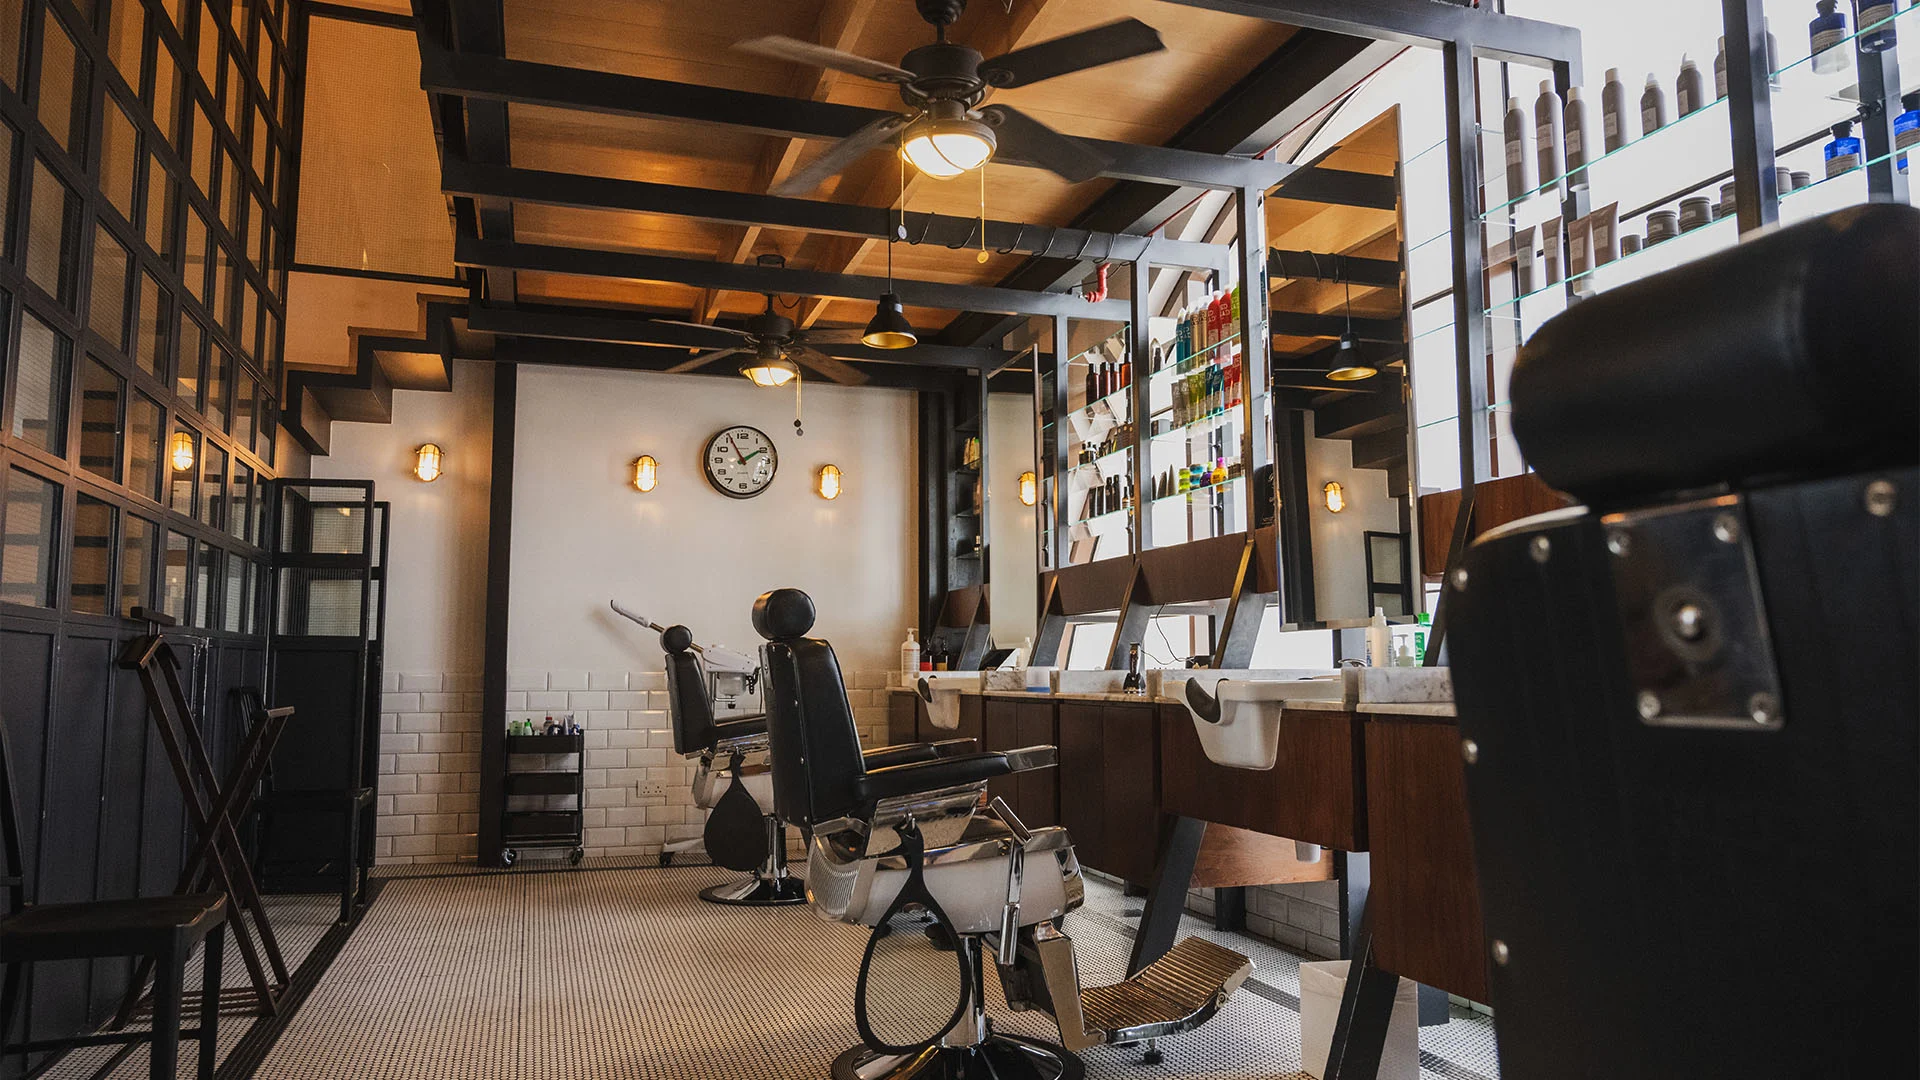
[813, 743]
[688, 705]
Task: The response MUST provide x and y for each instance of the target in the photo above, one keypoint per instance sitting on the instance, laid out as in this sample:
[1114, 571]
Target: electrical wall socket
[651, 791]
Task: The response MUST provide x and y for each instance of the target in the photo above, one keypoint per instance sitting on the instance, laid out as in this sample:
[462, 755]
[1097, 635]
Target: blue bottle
[1843, 153]
[1824, 35]
[1906, 126]
[1873, 38]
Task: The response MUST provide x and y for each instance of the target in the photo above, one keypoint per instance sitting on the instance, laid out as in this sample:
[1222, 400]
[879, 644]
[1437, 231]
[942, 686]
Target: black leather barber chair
[1691, 707]
[733, 784]
[945, 880]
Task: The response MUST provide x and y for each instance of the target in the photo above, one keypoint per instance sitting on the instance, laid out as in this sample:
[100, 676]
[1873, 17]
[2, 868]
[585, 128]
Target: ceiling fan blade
[843, 373]
[704, 359]
[806, 52]
[838, 156]
[702, 326]
[847, 336]
[1023, 137]
[1076, 52]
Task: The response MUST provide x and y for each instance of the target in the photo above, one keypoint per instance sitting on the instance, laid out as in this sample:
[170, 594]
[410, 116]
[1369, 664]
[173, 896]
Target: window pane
[179, 557]
[236, 96]
[183, 455]
[52, 235]
[187, 382]
[162, 195]
[213, 483]
[119, 155]
[206, 571]
[256, 587]
[233, 195]
[26, 560]
[222, 302]
[240, 504]
[40, 386]
[143, 446]
[136, 564]
[209, 42]
[126, 30]
[167, 93]
[264, 437]
[172, 8]
[92, 578]
[236, 600]
[7, 208]
[13, 18]
[249, 315]
[193, 270]
[262, 138]
[101, 391]
[219, 373]
[151, 332]
[202, 164]
[64, 75]
[243, 410]
[107, 300]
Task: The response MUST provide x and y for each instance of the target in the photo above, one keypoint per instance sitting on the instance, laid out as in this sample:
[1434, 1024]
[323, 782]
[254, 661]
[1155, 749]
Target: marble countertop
[1407, 708]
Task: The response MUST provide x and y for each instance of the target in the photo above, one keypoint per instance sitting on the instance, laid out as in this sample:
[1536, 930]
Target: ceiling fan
[947, 131]
[770, 343]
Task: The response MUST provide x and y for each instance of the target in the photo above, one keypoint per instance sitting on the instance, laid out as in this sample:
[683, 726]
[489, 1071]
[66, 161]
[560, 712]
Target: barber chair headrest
[1796, 353]
[676, 639]
[783, 614]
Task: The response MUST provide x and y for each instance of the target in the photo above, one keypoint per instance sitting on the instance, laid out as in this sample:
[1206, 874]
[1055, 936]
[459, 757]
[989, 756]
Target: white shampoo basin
[1242, 729]
[941, 691]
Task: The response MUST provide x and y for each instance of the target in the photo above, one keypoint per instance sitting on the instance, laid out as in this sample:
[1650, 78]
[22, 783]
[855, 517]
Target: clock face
[740, 462]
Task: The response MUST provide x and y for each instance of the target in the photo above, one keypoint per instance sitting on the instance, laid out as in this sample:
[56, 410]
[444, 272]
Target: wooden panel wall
[1495, 502]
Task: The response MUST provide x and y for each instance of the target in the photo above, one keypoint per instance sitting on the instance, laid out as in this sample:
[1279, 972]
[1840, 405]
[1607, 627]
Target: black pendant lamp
[1350, 366]
[889, 328]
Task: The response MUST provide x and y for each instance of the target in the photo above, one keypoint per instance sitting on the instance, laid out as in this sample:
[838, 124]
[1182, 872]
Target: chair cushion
[740, 726]
[129, 927]
[919, 776]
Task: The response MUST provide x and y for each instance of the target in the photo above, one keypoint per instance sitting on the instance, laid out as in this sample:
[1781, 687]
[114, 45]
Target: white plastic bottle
[1379, 640]
[910, 657]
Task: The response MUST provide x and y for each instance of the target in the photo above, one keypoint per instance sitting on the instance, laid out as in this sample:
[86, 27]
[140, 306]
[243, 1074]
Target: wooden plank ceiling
[1143, 100]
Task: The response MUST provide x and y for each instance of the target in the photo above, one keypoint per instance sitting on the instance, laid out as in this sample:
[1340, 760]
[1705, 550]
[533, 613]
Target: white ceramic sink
[1242, 728]
[943, 693]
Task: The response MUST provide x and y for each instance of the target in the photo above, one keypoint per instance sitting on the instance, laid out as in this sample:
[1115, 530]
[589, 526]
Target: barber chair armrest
[881, 757]
[1033, 757]
[917, 777]
[745, 735]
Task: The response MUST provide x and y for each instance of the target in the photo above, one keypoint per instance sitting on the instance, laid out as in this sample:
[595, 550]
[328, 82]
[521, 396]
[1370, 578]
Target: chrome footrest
[1176, 993]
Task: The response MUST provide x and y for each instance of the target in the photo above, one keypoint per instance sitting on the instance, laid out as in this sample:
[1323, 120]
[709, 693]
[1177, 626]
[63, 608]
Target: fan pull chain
[798, 431]
[982, 257]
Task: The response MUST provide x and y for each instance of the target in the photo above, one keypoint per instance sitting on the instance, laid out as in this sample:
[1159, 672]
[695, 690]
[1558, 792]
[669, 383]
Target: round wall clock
[740, 461]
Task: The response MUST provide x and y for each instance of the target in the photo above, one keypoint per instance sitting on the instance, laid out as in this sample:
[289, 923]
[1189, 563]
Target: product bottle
[1135, 682]
[1720, 71]
[1421, 625]
[1824, 35]
[1402, 653]
[1546, 132]
[1653, 106]
[1688, 92]
[1577, 142]
[1379, 640]
[910, 651]
[1615, 117]
[1874, 38]
[1906, 126]
[1843, 153]
[1219, 471]
[1519, 161]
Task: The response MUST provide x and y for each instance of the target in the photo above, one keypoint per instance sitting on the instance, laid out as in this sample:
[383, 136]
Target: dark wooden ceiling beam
[786, 281]
[619, 357]
[487, 78]
[462, 178]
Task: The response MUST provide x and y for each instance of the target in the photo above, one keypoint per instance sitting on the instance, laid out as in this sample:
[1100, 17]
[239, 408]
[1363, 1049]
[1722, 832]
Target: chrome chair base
[757, 891]
[1001, 1056]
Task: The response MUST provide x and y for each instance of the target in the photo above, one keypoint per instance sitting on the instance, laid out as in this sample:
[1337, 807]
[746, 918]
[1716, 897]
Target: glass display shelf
[1113, 464]
[1194, 362]
[1101, 524]
[1225, 487]
[1201, 426]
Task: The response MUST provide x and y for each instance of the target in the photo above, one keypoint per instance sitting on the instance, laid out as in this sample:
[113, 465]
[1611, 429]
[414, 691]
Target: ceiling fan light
[889, 328]
[770, 372]
[944, 148]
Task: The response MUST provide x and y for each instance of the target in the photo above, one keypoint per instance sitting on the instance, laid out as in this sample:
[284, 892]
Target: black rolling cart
[534, 787]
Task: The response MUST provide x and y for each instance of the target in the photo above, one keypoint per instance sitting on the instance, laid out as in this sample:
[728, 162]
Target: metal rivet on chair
[1880, 498]
[1460, 579]
[1649, 703]
[1619, 543]
[1726, 528]
[1470, 751]
[1690, 622]
[1764, 708]
[1501, 954]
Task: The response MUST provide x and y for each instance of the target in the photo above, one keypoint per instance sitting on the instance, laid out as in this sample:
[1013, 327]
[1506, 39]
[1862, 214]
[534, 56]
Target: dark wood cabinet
[1425, 902]
[1082, 781]
[1315, 792]
[1039, 788]
[999, 730]
[1130, 749]
[904, 710]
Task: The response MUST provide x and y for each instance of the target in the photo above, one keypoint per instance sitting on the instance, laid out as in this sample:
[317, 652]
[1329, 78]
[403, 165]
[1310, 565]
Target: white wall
[1339, 540]
[683, 553]
[1016, 559]
[437, 560]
